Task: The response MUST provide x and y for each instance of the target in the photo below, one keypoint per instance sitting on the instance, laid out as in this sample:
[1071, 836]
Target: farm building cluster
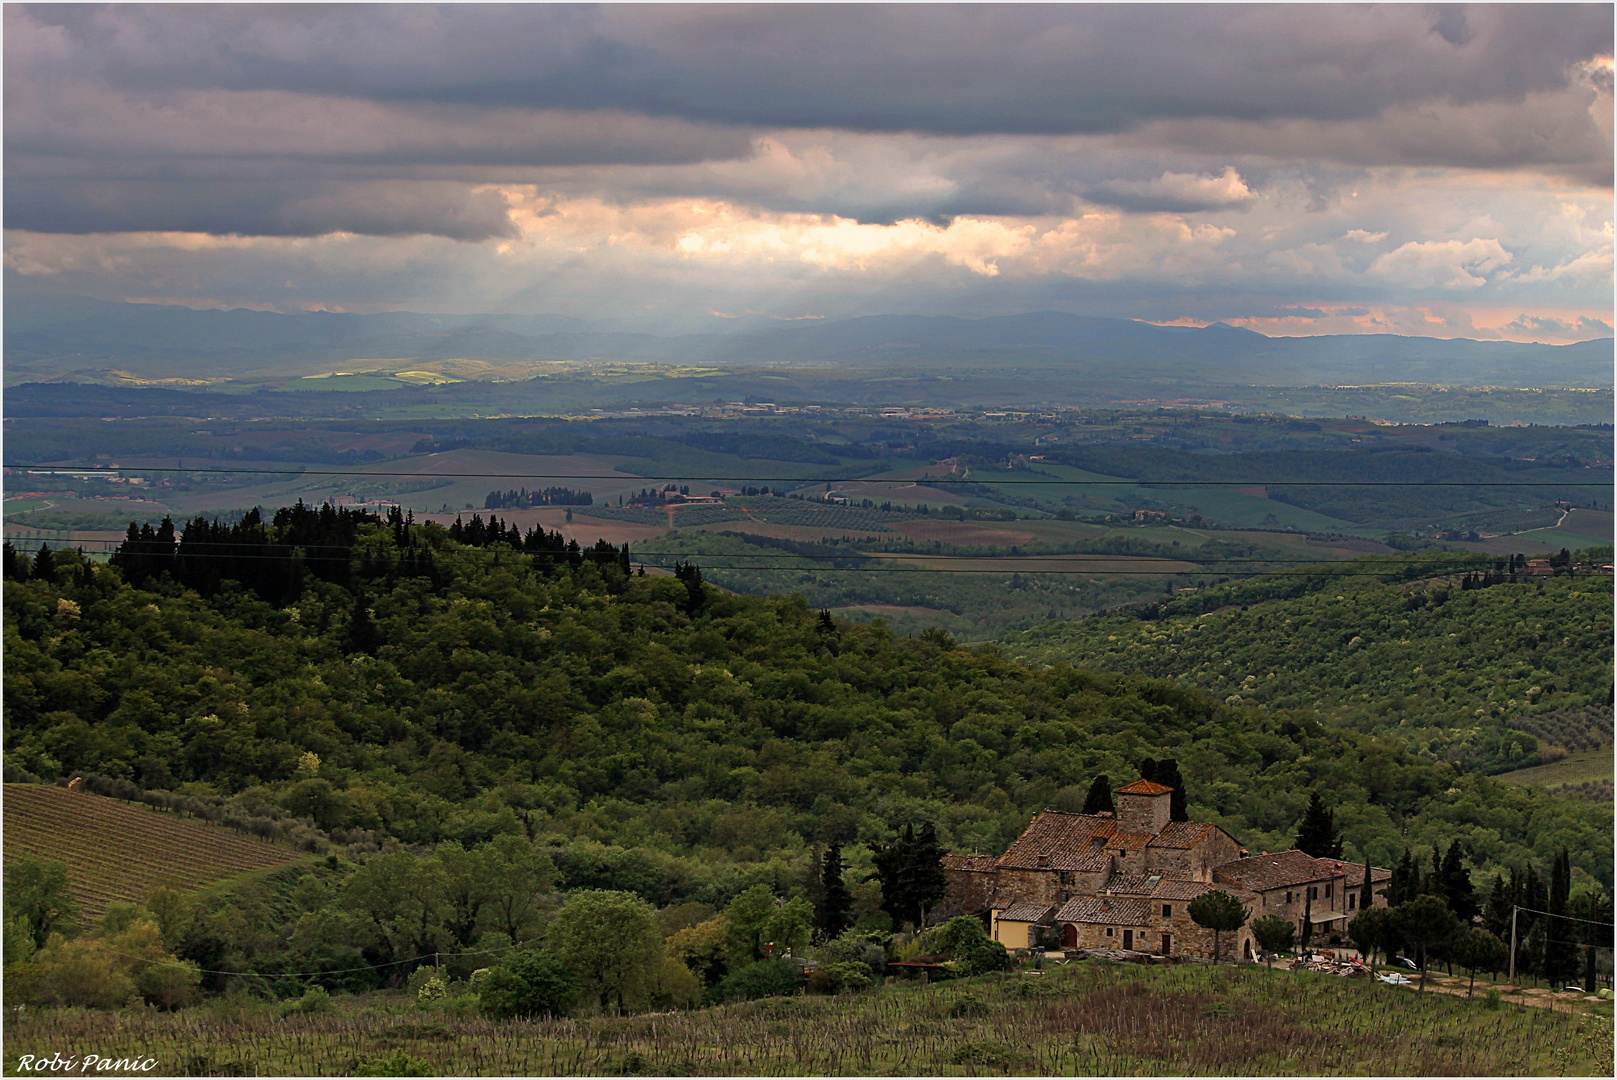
[1125, 879]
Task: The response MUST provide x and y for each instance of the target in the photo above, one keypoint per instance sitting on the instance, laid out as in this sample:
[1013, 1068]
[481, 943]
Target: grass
[1578, 768]
[1085, 1019]
[118, 851]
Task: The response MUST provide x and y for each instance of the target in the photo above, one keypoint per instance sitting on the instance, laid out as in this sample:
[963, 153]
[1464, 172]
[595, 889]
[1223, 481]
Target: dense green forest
[699, 742]
[1454, 666]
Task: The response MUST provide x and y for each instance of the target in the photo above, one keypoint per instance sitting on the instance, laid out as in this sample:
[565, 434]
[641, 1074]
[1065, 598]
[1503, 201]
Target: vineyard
[1088, 1019]
[117, 851]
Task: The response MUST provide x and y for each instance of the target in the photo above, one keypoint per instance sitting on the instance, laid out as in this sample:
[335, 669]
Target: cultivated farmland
[1090, 1019]
[118, 851]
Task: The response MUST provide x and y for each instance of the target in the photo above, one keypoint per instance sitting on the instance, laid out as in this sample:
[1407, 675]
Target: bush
[432, 990]
[528, 983]
[767, 978]
[841, 978]
[314, 1000]
[397, 1063]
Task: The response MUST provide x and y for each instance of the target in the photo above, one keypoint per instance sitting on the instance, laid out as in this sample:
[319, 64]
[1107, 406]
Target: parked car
[1406, 963]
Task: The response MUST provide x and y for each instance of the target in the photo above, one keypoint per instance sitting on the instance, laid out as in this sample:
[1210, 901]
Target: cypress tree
[1558, 960]
[44, 566]
[834, 914]
[1167, 774]
[1367, 894]
[1457, 888]
[927, 881]
[1100, 796]
[1316, 834]
[891, 862]
[16, 567]
[1148, 769]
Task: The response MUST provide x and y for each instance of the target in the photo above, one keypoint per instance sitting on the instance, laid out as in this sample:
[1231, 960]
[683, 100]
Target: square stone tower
[1143, 806]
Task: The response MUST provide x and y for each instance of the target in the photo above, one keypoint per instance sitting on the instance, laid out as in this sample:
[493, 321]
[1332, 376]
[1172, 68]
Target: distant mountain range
[53, 337]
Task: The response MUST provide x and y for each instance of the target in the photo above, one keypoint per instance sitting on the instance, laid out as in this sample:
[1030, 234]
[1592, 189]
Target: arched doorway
[1069, 936]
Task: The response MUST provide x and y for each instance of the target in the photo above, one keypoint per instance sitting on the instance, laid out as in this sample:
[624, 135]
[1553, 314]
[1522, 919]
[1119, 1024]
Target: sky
[1296, 169]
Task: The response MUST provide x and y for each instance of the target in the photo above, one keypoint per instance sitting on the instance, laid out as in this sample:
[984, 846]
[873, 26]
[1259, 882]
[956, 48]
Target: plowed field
[118, 851]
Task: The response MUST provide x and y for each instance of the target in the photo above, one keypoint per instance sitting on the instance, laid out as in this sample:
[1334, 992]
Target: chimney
[1044, 862]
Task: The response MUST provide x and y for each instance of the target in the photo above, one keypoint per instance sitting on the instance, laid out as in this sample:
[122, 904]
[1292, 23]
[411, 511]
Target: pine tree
[1367, 893]
[1100, 798]
[44, 565]
[891, 862]
[1316, 835]
[16, 567]
[834, 912]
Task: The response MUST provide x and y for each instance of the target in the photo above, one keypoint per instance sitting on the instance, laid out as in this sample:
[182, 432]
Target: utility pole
[1513, 910]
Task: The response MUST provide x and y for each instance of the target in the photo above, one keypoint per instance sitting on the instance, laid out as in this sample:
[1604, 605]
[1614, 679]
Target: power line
[930, 480]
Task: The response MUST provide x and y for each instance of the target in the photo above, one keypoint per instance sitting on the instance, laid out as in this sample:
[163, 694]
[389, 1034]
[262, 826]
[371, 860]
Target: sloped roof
[1026, 911]
[1133, 884]
[1276, 871]
[1064, 840]
[1355, 872]
[1143, 787]
[1129, 841]
[1183, 834]
[1107, 910]
[977, 863]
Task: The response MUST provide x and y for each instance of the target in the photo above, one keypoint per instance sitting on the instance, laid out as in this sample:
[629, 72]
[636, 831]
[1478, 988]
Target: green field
[116, 851]
[1088, 1018]
[1579, 768]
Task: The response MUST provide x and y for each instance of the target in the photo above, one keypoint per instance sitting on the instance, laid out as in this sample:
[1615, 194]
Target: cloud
[1175, 192]
[1553, 328]
[1364, 236]
[1441, 264]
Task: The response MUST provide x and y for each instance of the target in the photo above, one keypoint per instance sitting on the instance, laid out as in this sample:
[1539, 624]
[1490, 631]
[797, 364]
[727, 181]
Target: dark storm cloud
[1535, 324]
[942, 69]
[283, 120]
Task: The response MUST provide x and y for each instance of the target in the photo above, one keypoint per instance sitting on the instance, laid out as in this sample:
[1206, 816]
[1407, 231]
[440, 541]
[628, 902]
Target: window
[1353, 900]
[1066, 877]
[1327, 890]
[1313, 892]
[1108, 931]
[1288, 896]
[1167, 911]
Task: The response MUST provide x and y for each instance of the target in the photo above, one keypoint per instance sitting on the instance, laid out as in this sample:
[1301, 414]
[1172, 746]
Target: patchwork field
[118, 851]
[1578, 768]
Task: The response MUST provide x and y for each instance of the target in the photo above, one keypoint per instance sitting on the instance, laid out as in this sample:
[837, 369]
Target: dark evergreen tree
[928, 882]
[1367, 893]
[1148, 769]
[1167, 774]
[1457, 887]
[834, 912]
[363, 635]
[1100, 796]
[1316, 835]
[891, 862]
[1559, 962]
[16, 566]
[1496, 912]
[44, 565]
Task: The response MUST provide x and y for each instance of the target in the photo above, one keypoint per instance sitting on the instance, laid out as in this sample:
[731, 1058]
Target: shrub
[840, 978]
[432, 990]
[767, 978]
[528, 983]
[397, 1063]
[314, 1000]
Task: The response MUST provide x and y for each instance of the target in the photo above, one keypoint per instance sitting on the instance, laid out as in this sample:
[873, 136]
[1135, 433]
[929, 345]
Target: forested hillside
[660, 736]
[1455, 666]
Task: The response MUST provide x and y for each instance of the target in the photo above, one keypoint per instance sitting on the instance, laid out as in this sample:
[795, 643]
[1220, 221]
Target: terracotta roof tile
[1183, 834]
[1106, 910]
[1065, 842]
[1189, 890]
[978, 863]
[1026, 911]
[1128, 841]
[1133, 884]
[1276, 871]
[1355, 872]
[1142, 787]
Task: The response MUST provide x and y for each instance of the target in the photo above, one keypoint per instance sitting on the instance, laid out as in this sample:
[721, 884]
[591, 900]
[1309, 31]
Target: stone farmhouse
[1125, 881]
